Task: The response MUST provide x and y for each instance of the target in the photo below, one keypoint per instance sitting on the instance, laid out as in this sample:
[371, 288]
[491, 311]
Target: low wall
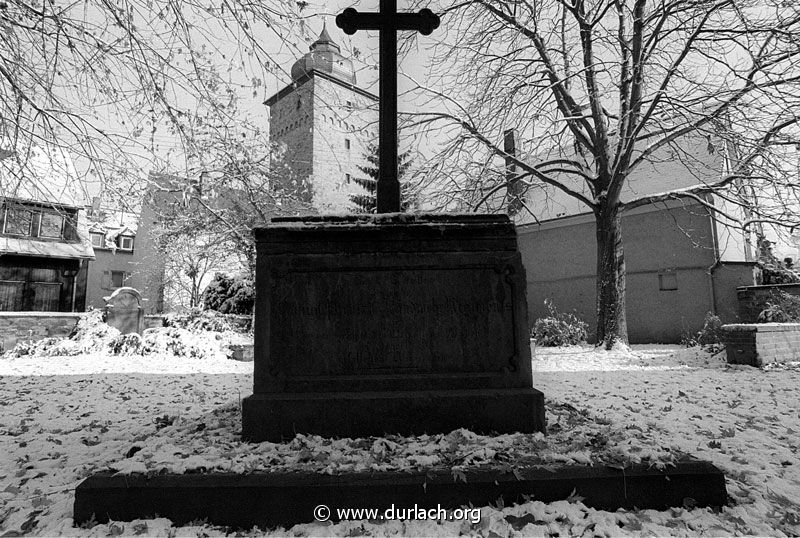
[153, 321]
[753, 299]
[756, 344]
[31, 326]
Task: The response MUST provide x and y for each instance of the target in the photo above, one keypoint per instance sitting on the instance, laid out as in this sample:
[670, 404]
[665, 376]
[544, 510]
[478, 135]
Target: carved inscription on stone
[348, 322]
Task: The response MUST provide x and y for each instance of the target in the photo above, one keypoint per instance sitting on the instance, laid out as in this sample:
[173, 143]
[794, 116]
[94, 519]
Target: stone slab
[416, 306]
[285, 499]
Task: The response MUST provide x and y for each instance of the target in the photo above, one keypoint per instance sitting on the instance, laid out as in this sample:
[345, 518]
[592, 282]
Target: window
[299, 103]
[18, 221]
[98, 240]
[117, 279]
[347, 178]
[667, 281]
[51, 225]
[125, 242]
[346, 143]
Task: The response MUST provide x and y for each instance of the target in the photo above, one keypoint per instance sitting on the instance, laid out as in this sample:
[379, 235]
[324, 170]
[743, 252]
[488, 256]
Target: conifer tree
[367, 202]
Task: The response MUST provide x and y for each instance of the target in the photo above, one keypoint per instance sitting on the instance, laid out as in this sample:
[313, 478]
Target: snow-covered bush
[710, 337]
[184, 343]
[781, 308]
[126, 344]
[558, 329]
[94, 336]
[229, 295]
[91, 334]
[206, 320]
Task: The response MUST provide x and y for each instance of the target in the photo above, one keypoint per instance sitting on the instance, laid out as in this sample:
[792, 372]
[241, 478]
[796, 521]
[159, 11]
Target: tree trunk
[612, 325]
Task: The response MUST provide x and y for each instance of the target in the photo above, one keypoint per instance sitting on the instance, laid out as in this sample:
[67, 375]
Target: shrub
[558, 329]
[710, 337]
[781, 308]
[126, 344]
[229, 295]
[199, 320]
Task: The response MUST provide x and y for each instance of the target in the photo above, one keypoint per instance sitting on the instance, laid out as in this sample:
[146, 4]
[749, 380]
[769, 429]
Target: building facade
[126, 247]
[116, 260]
[681, 261]
[324, 122]
[44, 240]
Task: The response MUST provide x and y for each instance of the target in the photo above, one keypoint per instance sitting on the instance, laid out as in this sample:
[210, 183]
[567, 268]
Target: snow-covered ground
[65, 417]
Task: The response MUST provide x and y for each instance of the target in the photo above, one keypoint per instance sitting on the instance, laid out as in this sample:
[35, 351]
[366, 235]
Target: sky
[361, 48]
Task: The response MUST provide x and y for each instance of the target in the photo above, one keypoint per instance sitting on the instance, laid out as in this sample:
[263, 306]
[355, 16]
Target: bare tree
[602, 88]
[234, 180]
[188, 267]
[110, 82]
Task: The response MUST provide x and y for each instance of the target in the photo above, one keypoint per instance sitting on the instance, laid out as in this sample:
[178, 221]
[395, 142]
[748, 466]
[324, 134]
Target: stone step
[284, 499]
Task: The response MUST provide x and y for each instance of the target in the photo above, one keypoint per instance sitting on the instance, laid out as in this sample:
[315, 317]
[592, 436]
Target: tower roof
[324, 40]
[324, 55]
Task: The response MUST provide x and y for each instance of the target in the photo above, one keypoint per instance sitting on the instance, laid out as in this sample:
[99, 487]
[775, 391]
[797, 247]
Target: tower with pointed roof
[324, 122]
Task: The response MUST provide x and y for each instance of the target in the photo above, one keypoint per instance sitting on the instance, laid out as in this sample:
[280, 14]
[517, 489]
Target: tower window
[346, 143]
[349, 105]
[299, 103]
[347, 178]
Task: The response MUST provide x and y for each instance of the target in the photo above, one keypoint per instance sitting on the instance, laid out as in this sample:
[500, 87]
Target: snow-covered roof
[32, 246]
[40, 174]
[114, 222]
[690, 161]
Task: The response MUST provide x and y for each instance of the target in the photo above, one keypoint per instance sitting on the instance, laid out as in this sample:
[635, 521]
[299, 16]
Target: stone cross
[387, 21]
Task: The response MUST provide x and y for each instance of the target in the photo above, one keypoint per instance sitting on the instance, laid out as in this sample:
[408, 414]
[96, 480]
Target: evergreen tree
[368, 202]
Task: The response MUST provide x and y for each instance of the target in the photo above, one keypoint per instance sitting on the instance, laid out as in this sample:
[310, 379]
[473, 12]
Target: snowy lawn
[65, 417]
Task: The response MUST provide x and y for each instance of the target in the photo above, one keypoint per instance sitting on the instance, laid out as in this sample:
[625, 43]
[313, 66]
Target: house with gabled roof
[44, 237]
[118, 261]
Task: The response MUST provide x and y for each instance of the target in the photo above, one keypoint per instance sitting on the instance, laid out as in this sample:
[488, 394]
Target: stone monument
[390, 323]
[374, 324]
[124, 311]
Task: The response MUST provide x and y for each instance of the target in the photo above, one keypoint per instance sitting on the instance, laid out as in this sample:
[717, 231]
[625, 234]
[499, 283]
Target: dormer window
[51, 225]
[98, 239]
[125, 242]
[18, 221]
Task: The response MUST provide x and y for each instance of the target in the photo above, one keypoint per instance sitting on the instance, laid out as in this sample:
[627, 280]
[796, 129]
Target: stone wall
[560, 263]
[342, 134]
[31, 326]
[756, 344]
[753, 299]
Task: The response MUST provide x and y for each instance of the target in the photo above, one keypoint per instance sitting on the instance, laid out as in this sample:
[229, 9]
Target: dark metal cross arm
[424, 21]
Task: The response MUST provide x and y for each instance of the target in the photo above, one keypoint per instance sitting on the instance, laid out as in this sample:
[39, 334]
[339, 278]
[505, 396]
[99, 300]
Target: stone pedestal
[375, 324]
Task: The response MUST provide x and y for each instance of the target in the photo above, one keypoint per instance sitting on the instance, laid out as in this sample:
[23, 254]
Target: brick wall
[757, 344]
[25, 326]
[753, 299]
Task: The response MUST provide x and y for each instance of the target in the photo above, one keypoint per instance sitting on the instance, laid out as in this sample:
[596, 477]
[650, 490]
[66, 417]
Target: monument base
[279, 417]
[390, 324]
[269, 500]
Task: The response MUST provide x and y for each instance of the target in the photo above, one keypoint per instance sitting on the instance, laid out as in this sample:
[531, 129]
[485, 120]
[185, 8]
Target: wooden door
[11, 293]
